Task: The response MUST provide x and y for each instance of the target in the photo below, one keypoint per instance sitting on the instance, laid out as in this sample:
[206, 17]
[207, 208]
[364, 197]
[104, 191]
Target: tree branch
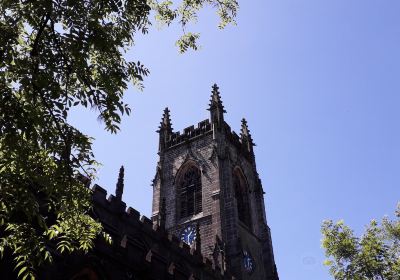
[43, 24]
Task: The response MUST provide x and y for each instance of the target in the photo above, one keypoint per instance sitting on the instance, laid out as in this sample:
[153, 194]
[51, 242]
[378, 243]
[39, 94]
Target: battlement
[203, 128]
[236, 141]
[189, 133]
[233, 137]
[135, 235]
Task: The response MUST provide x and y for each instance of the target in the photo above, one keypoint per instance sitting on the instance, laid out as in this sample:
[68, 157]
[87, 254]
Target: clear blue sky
[319, 83]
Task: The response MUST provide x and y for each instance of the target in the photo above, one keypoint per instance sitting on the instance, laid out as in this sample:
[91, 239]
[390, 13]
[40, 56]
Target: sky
[318, 82]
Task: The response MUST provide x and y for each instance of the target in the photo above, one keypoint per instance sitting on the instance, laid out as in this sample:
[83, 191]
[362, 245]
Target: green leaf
[22, 270]
[49, 64]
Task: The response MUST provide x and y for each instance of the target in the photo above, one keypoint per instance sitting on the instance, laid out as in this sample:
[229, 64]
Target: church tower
[208, 193]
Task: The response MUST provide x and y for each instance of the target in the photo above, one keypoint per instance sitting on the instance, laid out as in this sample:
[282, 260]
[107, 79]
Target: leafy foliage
[55, 55]
[375, 255]
[187, 11]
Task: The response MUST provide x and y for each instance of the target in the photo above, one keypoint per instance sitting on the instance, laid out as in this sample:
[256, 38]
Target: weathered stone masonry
[221, 203]
[219, 153]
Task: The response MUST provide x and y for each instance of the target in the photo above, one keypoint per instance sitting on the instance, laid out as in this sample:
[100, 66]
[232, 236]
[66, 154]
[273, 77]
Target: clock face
[188, 234]
[248, 262]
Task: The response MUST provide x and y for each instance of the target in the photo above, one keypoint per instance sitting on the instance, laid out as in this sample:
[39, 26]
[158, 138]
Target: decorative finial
[166, 121]
[216, 98]
[198, 238]
[245, 129]
[216, 108]
[120, 184]
[245, 133]
[165, 130]
[215, 92]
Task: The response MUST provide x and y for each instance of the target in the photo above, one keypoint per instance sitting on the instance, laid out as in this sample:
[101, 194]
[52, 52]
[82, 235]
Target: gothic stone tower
[208, 193]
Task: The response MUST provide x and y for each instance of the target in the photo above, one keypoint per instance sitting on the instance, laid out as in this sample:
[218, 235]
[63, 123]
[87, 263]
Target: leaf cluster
[187, 11]
[375, 255]
[56, 55]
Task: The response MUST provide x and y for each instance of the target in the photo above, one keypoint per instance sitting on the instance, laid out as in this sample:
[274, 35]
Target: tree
[54, 55]
[375, 255]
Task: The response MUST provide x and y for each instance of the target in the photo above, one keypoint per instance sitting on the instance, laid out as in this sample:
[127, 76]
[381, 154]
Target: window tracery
[242, 198]
[189, 192]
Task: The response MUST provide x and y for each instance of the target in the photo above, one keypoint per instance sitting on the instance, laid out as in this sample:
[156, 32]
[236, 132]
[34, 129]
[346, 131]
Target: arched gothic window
[189, 192]
[242, 198]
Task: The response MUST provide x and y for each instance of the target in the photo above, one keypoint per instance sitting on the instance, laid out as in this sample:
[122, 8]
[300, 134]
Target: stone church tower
[207, 192]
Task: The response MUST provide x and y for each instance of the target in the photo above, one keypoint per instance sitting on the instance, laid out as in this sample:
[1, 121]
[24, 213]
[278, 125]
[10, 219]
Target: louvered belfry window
[190, 192]
[242, 199]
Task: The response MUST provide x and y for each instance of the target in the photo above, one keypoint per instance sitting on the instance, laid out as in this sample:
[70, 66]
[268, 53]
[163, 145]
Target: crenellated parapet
[208, 192]
[144, 249]
[243, 144]
[188, 134]
[170, 139]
